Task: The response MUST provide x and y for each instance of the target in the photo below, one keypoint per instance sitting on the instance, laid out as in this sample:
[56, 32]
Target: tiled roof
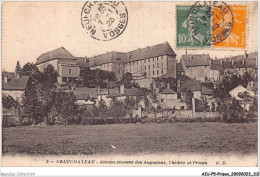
[109, 57]
[249, 62]
[139, 54]
[83, 93]
[16, 83]
[113, 93]
[179, 67]
[149, 52]
[82, 62]
[206, 91]
[217, 67]
[167, 91]
[193, 60]
[54, 54]
[132, 92]
[193, 85]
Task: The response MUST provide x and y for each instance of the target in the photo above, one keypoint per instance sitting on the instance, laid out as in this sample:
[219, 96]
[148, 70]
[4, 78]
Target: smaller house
[15, 87]
[193, 85]
[168, 99]
[243, 95]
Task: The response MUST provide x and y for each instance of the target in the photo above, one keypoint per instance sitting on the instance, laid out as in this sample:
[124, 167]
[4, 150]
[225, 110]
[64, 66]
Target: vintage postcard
[133, 84]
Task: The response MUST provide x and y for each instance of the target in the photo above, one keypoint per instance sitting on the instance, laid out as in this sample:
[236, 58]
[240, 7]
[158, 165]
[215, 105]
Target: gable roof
[16, 83]
[83, 93]
[54, 54]
[149, 52]
[135, 55]
[109, 57]
[240, 89]
[217, 67]
[168, 91]
[132, 92]
[193, 60]
[193, 85]
[206, 91]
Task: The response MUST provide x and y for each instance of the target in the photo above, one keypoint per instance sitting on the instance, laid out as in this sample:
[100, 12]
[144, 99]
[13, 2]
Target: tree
[30, 69]
[32, 107]
[65, 104]
[116, 109]
[246, 99]
[188, 95]
[18, 68]
[96, 78]
[254, 105]
[101, 110]
[49, 76]
[127, 80]
[8, 102]
[231, 110]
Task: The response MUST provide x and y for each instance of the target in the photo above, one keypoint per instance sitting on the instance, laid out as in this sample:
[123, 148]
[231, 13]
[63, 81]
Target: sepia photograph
[129, 84]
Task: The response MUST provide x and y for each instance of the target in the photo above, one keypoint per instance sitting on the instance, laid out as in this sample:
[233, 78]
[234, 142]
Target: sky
[32, 28]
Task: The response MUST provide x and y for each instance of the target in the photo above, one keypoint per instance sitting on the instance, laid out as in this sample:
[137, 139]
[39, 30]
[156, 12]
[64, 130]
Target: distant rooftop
[16, 83]
[60, 53]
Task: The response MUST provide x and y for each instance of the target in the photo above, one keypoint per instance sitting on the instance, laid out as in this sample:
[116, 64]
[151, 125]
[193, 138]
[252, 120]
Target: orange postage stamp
[237, 38]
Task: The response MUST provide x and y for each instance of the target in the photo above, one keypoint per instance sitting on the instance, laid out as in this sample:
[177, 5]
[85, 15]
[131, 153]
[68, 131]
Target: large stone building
[196, 66]
[63, 62]
[150, 62]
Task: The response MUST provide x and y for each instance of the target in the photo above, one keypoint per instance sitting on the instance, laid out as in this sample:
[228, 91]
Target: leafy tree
[96, 78]
[246, 99]
[231, 110]
[187, 98]
[162, 83]
[65, 105]
[49, 76]
[101, 110]
[18, 68]
[32, 107]
[254, 105]
[127, 80]
[30, 69]
[117, 109]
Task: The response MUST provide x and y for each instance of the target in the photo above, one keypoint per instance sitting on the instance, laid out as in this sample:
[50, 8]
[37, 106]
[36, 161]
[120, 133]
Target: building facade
[63, 62]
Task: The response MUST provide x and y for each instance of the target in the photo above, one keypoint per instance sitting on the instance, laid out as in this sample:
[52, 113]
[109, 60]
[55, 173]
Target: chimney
[139, 50]
[221, 62]
[243, 62]
[190, 57]
[225, 59]
[98, 89]
[106, 54]
[86, 59]
[5, 79]
[168, 85]
[186, 52]
[122, 89]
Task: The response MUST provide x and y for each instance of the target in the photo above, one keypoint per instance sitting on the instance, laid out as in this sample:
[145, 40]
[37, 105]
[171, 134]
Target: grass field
[131, 139]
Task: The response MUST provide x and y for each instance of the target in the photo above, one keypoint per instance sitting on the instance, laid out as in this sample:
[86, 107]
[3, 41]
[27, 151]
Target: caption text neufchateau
[129, 162]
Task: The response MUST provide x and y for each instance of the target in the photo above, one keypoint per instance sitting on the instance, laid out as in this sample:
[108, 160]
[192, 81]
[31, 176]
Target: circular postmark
[104, 20]
[210, 22]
